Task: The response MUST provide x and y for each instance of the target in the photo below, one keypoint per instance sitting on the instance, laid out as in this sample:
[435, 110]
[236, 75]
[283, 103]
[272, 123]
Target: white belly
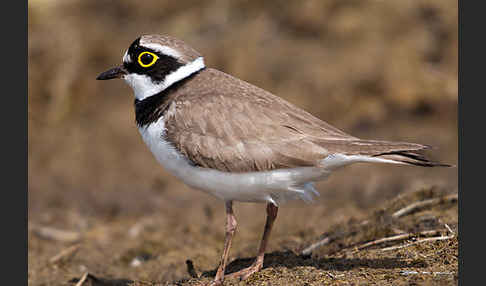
[277, 186]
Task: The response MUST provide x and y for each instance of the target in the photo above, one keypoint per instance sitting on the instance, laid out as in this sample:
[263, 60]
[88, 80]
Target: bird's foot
[243, 274]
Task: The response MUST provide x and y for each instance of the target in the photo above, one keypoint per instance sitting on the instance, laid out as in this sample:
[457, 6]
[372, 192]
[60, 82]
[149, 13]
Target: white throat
[143, 86]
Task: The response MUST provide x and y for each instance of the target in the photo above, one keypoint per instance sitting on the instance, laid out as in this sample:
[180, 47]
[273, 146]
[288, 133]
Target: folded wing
[242, 128]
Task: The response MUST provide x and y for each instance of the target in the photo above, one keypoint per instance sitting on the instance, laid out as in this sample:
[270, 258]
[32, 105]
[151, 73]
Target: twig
[417, 205]
[392, 238]
[449, 228]
[417, 242]
[66, 252]
[56, 234]
[81, 281]
[398, 237]
[334, 276]
[406, 272]
[308, 250]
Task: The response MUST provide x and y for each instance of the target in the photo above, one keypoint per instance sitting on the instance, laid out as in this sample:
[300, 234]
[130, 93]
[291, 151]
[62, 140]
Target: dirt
[99, 203]
[144, 253]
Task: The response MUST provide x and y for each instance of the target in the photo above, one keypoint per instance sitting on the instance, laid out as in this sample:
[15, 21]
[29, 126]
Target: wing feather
[227, 124]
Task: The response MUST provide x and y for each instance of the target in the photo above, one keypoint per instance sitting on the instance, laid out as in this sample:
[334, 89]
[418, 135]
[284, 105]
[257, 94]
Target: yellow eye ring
[154, 59]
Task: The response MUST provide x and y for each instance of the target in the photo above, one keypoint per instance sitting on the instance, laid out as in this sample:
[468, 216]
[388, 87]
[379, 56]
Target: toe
[245, 273]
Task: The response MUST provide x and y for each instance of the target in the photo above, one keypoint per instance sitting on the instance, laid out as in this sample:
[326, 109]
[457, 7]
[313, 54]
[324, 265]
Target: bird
[235, 141]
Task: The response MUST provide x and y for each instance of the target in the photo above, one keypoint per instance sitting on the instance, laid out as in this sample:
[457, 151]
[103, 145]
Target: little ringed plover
[235, 141]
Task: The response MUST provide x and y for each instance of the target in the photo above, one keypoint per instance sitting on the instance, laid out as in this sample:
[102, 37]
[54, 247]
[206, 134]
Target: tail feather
[400, 152]
[411, 158]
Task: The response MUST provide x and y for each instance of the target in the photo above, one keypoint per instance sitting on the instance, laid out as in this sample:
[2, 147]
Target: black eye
[147, 59]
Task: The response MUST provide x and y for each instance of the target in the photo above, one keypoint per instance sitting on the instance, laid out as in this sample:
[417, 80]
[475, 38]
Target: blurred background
[375, 69]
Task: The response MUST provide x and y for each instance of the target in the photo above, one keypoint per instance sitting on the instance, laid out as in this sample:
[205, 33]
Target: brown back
[221, 122]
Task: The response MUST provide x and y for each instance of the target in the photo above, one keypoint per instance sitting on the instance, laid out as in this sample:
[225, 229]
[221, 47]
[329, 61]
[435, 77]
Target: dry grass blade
[398, 237]
[417, 242]
[56, 234]
[308, 250]
[68, 252]
[408, 272]
[81, 281]
[100, 281]
[449, 228]
[427, 203]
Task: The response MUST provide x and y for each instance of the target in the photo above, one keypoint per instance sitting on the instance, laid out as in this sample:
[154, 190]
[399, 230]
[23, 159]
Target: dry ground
[420, 247]
[100, 204]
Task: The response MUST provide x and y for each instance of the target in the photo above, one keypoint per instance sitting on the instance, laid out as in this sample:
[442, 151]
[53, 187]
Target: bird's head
[154, 62]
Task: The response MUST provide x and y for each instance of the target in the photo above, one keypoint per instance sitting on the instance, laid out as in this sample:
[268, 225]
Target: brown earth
[100, 203]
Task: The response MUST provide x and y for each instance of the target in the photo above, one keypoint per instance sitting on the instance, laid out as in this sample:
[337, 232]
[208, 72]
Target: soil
[147, 252]
[99, 203]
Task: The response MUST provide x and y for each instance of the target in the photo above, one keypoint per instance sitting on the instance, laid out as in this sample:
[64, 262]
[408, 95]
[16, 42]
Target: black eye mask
[163, 66]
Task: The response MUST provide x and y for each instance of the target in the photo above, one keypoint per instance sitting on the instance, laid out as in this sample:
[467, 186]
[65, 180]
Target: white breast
[277, 186]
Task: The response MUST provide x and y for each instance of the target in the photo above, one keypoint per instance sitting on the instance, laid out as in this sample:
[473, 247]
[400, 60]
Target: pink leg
[258, 263]
[230, 231]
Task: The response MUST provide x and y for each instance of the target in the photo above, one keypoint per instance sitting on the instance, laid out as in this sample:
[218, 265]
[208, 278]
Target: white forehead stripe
[126, 57]
[143, 86]
[162, 49]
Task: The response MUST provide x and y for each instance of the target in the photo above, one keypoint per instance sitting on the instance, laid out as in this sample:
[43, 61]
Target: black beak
[115, 72]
